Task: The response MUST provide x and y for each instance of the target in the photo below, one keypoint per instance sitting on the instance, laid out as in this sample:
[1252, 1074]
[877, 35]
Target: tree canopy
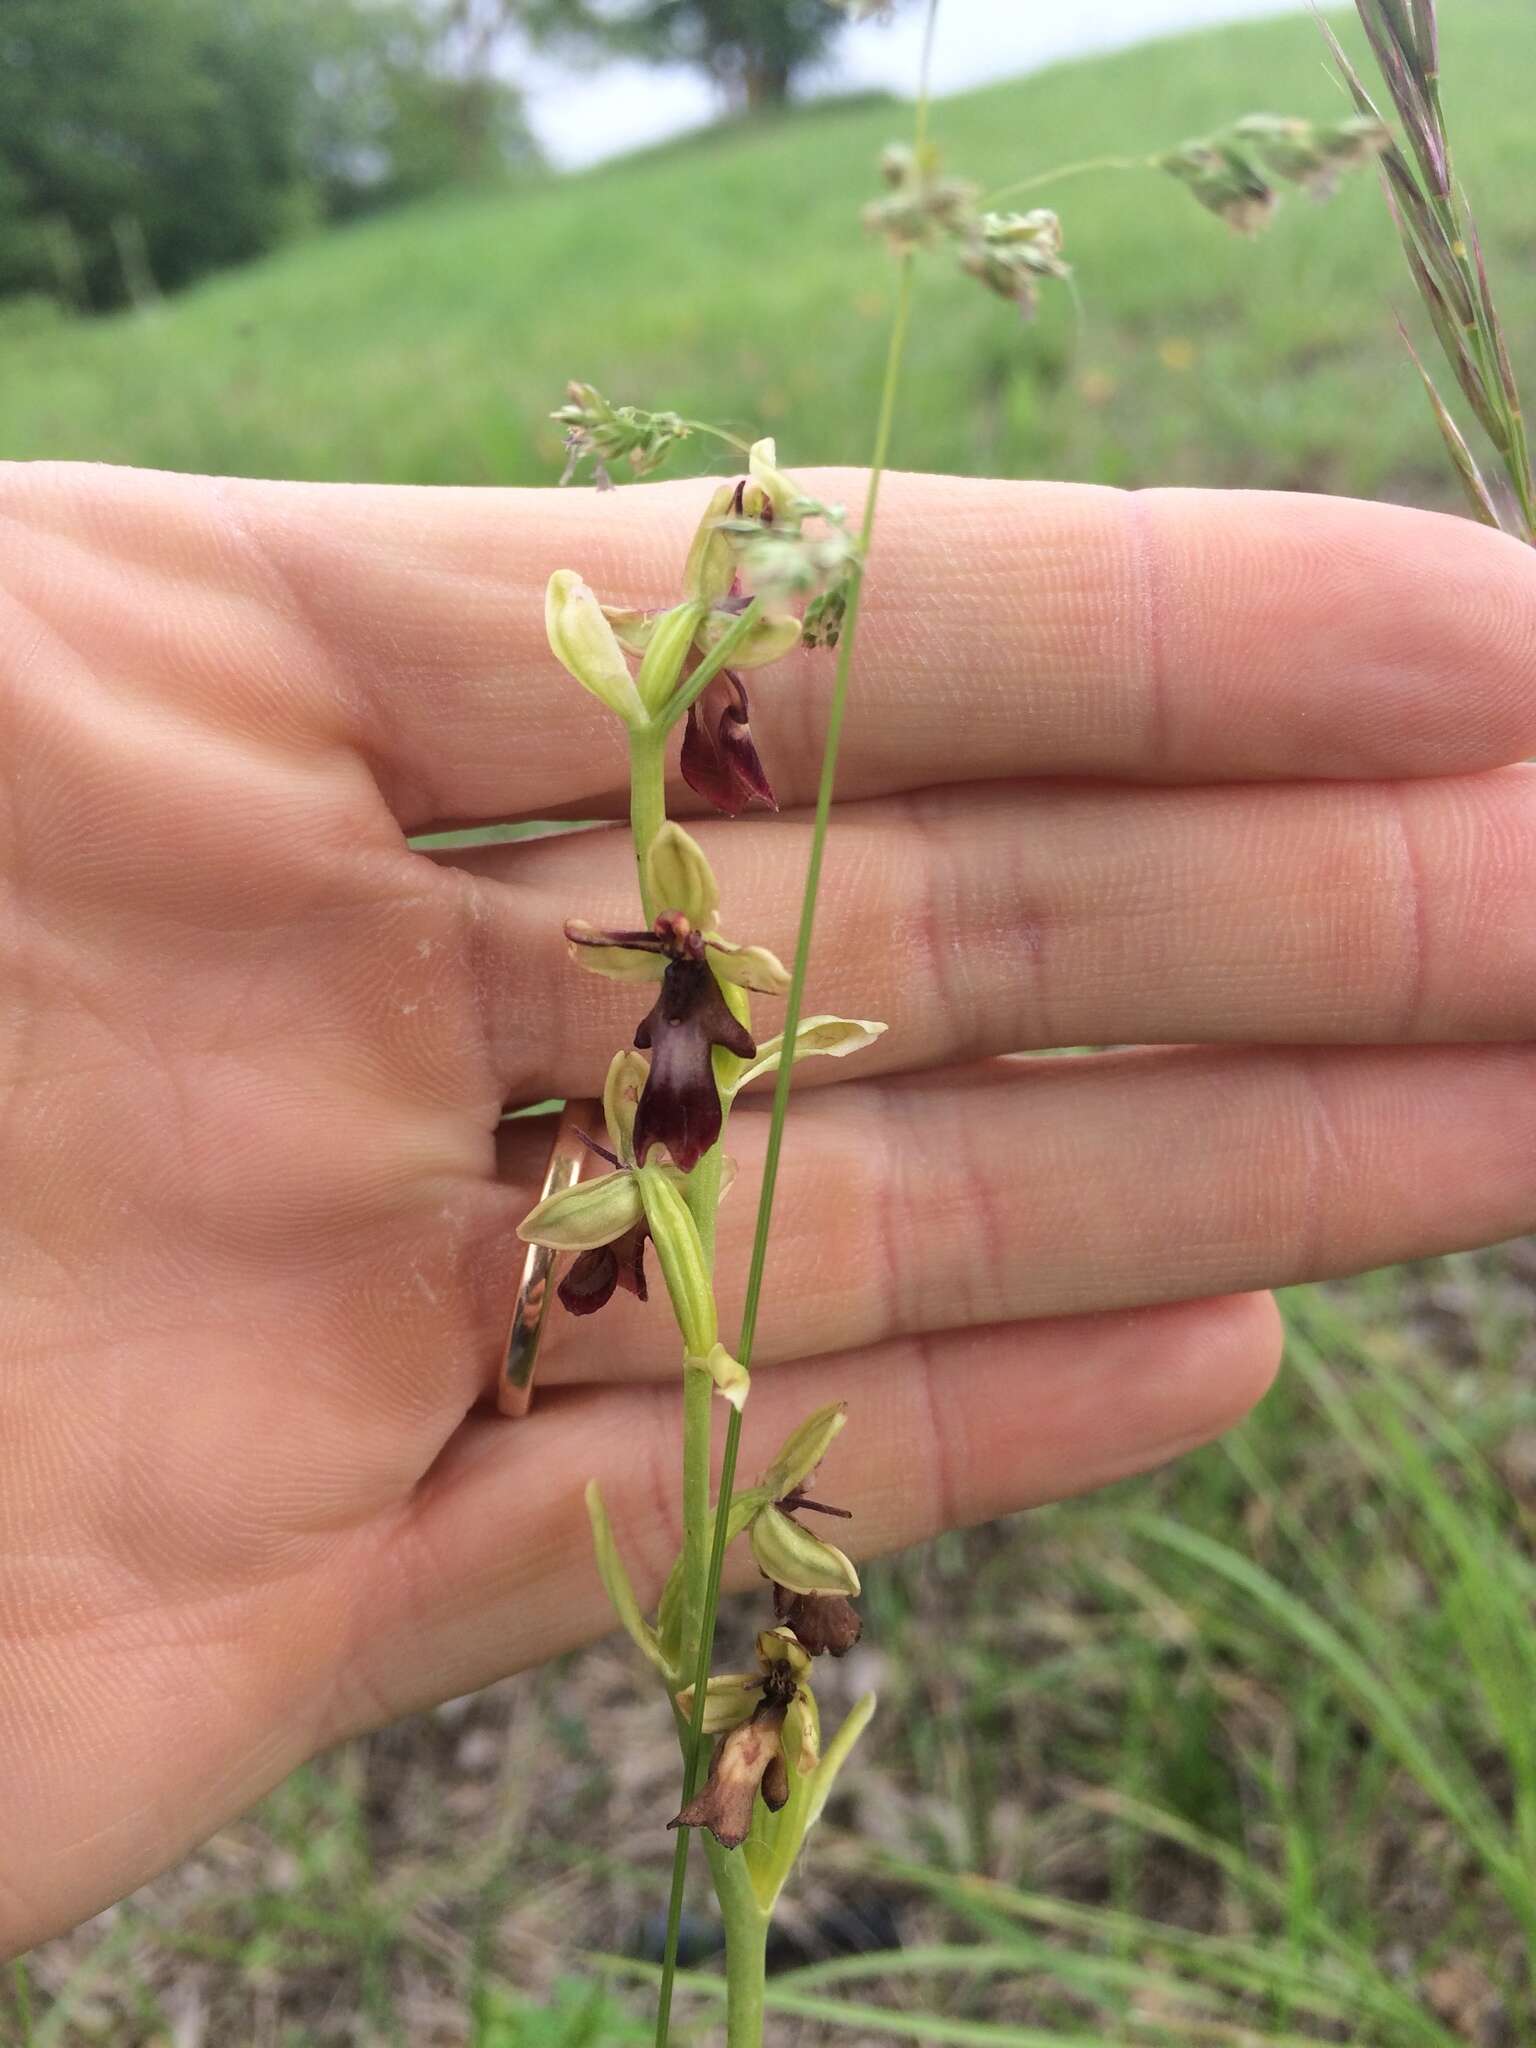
[145, 141]
[752, 49]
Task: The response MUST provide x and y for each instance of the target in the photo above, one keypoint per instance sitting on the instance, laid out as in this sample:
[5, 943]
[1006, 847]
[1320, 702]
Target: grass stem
[1041, 179]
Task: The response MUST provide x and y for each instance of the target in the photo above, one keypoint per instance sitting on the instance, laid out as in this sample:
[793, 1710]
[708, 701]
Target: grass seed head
[599, 432]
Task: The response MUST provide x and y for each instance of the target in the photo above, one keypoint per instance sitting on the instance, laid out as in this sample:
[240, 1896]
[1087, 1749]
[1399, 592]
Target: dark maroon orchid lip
[594, 1275]
[680, 1104]
[720, 761]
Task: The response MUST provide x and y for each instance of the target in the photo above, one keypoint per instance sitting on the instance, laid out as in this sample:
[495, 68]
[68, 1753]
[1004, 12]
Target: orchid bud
[711, 566]
[681, 878]
[592, 1213]
[803, 1450]
[792, 1557]
[669, 643]
[732, 1380]
[627, 1076]
[683, 1266]
[582, 639]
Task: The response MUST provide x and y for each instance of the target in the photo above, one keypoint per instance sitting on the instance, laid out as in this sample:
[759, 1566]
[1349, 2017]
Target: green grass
[1240, 1754]
[1244, 1752]
[728, 276]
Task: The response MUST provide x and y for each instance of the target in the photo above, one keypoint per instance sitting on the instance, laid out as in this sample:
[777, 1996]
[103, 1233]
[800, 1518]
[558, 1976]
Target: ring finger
[982, 921]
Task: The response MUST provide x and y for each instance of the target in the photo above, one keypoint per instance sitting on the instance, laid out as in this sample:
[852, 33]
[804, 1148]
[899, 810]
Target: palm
[245, 1045]
[260, 1245]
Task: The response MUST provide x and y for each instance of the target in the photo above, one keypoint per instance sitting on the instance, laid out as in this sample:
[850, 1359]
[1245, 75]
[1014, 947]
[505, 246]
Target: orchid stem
[746, 1933]
[745, 2018]
[746, 1949]
[647, 800]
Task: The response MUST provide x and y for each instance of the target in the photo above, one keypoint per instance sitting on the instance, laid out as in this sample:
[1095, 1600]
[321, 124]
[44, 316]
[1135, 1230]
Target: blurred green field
[726, 276]
[1241, 1753]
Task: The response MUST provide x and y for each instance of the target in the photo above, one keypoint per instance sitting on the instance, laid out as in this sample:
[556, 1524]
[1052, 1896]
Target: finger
[977, 922]
[489, 1568]
[1011, 629]
[1044, 1187]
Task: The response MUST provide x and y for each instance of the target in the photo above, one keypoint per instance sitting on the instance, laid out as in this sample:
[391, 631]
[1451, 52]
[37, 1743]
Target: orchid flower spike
[680, 1104]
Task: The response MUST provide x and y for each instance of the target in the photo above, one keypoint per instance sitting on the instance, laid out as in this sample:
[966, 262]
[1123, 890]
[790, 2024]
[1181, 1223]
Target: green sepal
[836, 1037]
[587, 947]
[593, 1212]
[583, 641]
[711, 565]
[803, 1450]
[681, 878]
[681, 1256]
[729, 1700]
[795, 1559]
[768, 640]
[627, 1075]
[776, 1840]
[751, 967]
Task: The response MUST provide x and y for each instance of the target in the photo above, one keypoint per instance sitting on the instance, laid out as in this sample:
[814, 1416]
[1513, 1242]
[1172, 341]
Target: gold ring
[567, 1157]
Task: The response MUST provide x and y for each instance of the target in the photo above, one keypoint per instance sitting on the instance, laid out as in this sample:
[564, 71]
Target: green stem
[695, 685]
[647, 799]
[23, 1983]
[746, 1949]
[698, 1387]
[1077, 170]
[793, 1006]
[746, 1925]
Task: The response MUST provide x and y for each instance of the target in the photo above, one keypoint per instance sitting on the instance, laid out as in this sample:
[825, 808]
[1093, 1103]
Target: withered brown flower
[748, 1760]
[824, 1623]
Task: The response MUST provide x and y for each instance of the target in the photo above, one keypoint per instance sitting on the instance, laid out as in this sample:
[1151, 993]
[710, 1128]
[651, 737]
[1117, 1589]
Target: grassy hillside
[1238, 1755]
[727, 276]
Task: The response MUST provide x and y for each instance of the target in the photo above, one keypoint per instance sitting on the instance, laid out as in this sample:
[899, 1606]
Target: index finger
[1010, 629]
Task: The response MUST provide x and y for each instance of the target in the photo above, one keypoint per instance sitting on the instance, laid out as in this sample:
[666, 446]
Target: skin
[1231, 780]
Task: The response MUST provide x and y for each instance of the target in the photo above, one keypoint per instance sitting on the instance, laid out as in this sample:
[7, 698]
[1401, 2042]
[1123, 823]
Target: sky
[581, 118]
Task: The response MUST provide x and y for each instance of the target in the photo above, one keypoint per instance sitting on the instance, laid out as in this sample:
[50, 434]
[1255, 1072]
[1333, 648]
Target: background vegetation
[1240, 1753]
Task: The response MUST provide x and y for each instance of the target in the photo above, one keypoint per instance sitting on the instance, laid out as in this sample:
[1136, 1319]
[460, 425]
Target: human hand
[1221, 777]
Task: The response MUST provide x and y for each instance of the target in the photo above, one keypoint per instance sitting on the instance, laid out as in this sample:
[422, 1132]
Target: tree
[409, 99]
[160, 123]
[753, 50]
[143, 142]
